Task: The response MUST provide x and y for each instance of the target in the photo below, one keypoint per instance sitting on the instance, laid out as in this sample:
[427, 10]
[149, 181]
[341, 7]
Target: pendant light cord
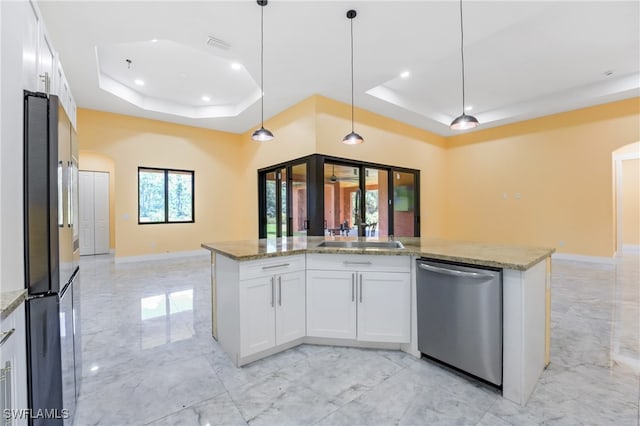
[462, 55]
[262, 66]
[352, 90]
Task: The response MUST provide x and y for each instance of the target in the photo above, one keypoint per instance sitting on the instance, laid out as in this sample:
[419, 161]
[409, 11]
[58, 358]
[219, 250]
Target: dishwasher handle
[454, 272]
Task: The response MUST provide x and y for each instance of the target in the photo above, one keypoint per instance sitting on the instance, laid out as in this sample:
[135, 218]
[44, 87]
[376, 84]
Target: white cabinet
[45, 73]
[367, 298]
[331, 304]
[260, 305]
[271, 311]
[290, 307]
[384, 300]
[30, 49]
[257, 315]
[13, 369]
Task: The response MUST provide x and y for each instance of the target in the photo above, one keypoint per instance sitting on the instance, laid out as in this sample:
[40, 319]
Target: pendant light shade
[262, 134]
[464, 121]
[352, 138]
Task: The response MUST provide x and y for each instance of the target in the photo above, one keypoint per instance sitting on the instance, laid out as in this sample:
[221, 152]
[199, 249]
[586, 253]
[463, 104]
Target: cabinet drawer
[358, 262]
[271, 266]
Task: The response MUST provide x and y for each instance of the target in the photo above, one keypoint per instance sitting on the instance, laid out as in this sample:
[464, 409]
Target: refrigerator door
[64, 201]
[43, 359]
[40, 183]
[77, 331]
[67, 349]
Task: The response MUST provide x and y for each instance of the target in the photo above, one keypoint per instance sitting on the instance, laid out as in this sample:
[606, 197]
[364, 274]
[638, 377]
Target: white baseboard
[583, 258]
[631, 248]
[163, 256]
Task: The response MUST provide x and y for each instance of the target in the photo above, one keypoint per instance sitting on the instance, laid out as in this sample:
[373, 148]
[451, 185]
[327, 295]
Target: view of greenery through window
[165, 196]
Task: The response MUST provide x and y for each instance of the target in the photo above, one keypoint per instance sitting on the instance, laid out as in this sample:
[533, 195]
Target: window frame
[166, 173]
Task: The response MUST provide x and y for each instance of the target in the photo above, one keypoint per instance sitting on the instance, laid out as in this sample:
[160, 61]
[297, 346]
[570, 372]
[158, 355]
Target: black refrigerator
[52, 253]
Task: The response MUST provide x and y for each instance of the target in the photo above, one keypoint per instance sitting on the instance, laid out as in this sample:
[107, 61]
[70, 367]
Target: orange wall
[389, 142]
[294, 131]
[131, 142]
[92, 161]
[562, 170]
[559, 165]
[631, 202]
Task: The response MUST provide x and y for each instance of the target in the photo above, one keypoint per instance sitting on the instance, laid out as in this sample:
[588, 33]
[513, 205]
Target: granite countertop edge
[10, 300]
[230, 249]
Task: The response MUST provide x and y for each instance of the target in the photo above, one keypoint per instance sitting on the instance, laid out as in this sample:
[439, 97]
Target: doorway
[94, 212]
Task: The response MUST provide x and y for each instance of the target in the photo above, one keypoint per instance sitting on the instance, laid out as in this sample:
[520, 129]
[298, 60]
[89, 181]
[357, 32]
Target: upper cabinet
[41, 67]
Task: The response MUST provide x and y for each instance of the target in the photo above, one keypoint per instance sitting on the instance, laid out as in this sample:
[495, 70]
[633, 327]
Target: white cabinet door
[290, 307]
[101, 212]
[45, 63]
[384, 307]
[331, 304]
[30, 49]
[257, 315]
[13, 368]
[94, 212]
[87, 220]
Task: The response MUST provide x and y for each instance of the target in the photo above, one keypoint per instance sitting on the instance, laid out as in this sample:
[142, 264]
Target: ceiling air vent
[216, 42]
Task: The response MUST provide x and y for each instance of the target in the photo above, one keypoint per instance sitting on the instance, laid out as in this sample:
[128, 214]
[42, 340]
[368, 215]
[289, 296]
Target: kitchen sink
[362, 244]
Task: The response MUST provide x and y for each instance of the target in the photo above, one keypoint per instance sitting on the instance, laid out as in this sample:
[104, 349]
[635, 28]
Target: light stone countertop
[10, 300]
[503, 256]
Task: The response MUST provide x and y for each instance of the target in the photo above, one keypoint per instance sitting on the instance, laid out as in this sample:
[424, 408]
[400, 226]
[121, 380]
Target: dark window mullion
[166, 196]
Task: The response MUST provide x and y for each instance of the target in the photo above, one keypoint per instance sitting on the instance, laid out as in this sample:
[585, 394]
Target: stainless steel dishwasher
[460, 317]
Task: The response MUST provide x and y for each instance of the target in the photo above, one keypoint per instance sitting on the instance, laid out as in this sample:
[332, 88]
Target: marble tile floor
[149, 359]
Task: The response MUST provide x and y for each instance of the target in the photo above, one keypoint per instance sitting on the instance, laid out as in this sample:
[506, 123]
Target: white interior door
[87, 220]
[94, 213]
[101, 212]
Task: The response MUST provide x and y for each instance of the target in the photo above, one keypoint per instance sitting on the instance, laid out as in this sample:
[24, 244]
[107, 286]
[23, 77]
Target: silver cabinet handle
[348, 262]
[4, 336]
[275, 266]
[272, 290]
[453, 272]
[353, 287]
[360, 288]
[280, 290]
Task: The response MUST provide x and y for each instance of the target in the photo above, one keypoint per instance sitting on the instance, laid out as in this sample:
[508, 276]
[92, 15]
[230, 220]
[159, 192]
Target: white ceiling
[522, 59]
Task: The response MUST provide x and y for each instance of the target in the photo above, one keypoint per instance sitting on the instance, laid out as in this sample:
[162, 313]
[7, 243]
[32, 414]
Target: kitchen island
[271, 295]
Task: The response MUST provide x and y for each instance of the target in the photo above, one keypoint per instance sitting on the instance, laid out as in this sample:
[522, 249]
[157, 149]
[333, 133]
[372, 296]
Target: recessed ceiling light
[235, 66]
[405, 74]
[468, 108]
[139, 82]
[206, 98]
[95, 368]
[154, 40]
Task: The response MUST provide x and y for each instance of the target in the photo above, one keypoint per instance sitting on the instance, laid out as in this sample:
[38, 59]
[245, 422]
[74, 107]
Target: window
[165, 196]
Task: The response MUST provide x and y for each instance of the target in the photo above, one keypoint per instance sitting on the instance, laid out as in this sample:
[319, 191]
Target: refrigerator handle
[60, 195]
[70, 194]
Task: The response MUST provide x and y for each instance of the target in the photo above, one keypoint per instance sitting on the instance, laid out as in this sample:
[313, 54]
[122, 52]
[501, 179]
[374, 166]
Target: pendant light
[352, 138]
[262, 134]
[464, 121]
